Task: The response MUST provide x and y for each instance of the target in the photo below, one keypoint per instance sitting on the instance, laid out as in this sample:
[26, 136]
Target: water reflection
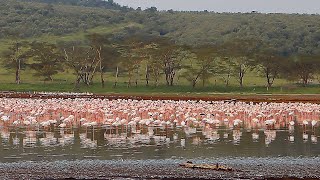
[156, 142]
[314, 139]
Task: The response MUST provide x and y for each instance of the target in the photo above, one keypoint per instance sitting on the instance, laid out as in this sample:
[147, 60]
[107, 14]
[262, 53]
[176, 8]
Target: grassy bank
[162, 89]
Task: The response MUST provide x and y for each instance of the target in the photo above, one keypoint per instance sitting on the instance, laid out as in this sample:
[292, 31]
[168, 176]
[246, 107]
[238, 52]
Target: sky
[263, 6]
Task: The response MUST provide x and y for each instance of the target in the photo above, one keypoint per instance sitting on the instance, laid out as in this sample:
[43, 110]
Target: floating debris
[216, 167]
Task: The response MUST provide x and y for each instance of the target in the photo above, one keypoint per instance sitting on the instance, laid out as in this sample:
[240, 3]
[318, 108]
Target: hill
[107, 4]
[25, 20]
[289, 33]
[73, 42]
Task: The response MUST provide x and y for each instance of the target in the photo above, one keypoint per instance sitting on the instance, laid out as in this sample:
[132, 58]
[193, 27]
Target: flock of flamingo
[86, 112]
[148, 115]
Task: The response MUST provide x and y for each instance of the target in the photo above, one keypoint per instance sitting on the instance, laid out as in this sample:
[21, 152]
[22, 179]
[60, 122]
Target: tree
[170, 55]
[224, 68]
[105, 52]
[242, 53]
[155, 69]
[131, 57]
[82, 61]
[15, 58]
[269, 64]
[161, 53]
[145, 48]
[302, 68]
[151, 10]
[131, 64]
[202, 65]
[111, 57]
[46, 59]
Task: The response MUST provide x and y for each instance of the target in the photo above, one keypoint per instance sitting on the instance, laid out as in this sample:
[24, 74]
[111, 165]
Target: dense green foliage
[288, 33]
[25, 20]
[94, 40]
[110, 4]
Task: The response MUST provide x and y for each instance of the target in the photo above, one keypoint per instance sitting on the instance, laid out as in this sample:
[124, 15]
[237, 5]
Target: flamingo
[237, 122]
[313, 124]
[62, 125]
[5, 118]
[270, 122]
[16, 122]
[132, 124]
[122, 112]
[305, 124]
[26, 122]
[291, 123]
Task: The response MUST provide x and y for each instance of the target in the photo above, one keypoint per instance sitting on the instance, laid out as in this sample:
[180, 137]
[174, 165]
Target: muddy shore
[247, 168]
[306, 98]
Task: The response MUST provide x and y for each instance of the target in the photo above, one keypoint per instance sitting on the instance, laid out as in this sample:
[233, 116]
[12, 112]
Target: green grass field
[253, 83]
[64, 83]
[141, 89]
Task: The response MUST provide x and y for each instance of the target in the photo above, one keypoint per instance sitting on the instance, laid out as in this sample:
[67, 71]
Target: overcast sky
[265, 6]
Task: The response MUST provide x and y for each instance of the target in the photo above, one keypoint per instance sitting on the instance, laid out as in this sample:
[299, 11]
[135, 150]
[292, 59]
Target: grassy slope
[79, 36]
[64, 80]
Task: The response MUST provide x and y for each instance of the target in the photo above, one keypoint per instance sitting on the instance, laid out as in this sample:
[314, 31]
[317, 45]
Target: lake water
[143, 143]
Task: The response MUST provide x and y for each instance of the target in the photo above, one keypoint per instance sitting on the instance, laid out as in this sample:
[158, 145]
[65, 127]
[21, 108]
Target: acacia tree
[241, 53]
[171, 56]
[269, 63]
[15, 57]
[111, 57]
[224, 68]
[47, 61]
[202, 65]
[105, 53]
[82, 61]
[131, 65]
[131, 57]
[155, 69]
[138, 49]
[165, 54]
[150, 49]
[302, 68]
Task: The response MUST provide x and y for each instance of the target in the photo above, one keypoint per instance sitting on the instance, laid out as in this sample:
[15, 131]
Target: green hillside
[289, 33]
[282, 38]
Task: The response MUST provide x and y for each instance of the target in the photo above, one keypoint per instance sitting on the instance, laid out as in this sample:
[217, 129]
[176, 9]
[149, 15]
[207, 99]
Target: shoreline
[249, 168]
[256, 98]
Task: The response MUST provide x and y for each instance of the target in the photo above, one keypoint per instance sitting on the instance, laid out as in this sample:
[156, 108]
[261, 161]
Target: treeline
[154, 57]
[108, 4]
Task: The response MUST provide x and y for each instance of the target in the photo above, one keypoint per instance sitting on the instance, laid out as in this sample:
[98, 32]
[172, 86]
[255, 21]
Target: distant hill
[108, 4]
[288, 33]
[33, 19]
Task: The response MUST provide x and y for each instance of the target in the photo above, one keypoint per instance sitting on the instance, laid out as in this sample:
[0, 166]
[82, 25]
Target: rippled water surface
[140, 143]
